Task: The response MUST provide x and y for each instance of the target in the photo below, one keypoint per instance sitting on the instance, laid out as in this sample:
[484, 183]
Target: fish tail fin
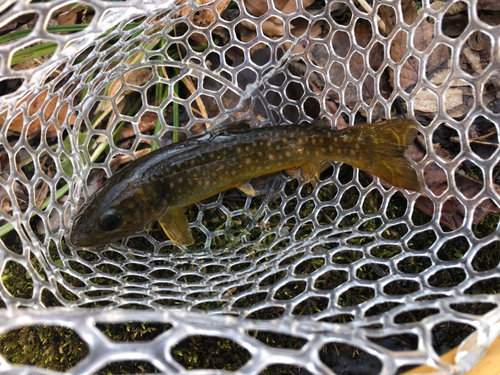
[381, 151]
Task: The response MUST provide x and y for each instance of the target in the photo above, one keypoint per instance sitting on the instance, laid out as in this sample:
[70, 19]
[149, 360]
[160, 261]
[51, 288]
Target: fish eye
[110, 220]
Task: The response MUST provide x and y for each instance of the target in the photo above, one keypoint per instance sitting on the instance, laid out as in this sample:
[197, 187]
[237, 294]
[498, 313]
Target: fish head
[116, 211]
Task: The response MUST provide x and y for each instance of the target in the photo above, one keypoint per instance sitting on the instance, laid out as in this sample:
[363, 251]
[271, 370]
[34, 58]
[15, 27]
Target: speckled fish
[158, 185]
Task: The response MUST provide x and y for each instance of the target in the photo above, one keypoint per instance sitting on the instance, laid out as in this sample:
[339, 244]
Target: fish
[158, 185]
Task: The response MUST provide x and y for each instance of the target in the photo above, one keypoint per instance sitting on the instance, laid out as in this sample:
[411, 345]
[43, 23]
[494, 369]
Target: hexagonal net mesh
[349, 262]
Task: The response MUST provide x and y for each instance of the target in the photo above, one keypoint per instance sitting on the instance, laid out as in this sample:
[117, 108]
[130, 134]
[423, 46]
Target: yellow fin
[312, 172]
[248, 189]
[380, 149]
[176, 226]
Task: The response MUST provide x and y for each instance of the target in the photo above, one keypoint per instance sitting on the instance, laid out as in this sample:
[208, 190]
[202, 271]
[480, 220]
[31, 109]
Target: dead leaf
[488, 5]
[41, 193]
[409, 71]
[204, 17]
[256, 7]
[138, 77]
[147, 123]
[20, 193]
[272, 27]
[122, 159]
[68, 15]
[17, 123]
[452, 213]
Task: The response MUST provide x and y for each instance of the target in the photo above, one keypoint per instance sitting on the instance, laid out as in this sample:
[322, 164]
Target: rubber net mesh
[350, 262]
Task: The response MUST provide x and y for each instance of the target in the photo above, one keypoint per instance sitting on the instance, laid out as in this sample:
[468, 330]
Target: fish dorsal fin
[235, 127]
[324, 124]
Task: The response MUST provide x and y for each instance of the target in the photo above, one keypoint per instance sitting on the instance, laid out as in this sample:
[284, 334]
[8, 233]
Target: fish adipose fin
[381, 150]
[176, 226]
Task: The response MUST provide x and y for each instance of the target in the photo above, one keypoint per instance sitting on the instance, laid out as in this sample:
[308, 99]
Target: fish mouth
[81, 237]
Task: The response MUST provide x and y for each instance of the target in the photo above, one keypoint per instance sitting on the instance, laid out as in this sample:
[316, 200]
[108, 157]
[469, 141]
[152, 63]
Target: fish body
[158, 185]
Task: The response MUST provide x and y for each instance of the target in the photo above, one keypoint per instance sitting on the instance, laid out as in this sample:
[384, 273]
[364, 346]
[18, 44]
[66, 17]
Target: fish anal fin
[248, 189]
[176, 226]
[311, 171]
[308, 172]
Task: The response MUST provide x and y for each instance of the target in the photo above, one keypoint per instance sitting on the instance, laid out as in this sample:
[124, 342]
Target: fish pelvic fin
[380, 150]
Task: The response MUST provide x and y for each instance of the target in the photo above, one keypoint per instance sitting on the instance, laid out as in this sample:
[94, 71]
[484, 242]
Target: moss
[49, 347]
[208, 352]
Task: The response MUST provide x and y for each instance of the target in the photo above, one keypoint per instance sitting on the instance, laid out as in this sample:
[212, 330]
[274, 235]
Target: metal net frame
[343, 262]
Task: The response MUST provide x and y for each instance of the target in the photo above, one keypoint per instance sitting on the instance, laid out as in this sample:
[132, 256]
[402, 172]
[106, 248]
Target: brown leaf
[435, 179]
[69, 14]
[147, 123]
[488, 5]
[204, 17]
[256, 7]
[273, 26]
[122, 159]
[409, 11]
[409, 71]
[452, 213]
[138, 77]
[17, 123]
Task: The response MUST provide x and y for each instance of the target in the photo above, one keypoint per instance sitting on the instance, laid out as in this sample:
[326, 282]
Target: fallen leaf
[122, 159]
[452, 212]
[488, 5]
[256, 7]
[17, 123]
[272, 27]
[20, 193]
[68, 15]
[204, 17]
[138, 77]
[409, 70]
[147, 123]
[41, 193]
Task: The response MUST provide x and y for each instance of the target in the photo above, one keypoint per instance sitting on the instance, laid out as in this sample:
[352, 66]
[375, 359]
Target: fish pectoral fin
[248, 189]
[311, 171]
[176, 226]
